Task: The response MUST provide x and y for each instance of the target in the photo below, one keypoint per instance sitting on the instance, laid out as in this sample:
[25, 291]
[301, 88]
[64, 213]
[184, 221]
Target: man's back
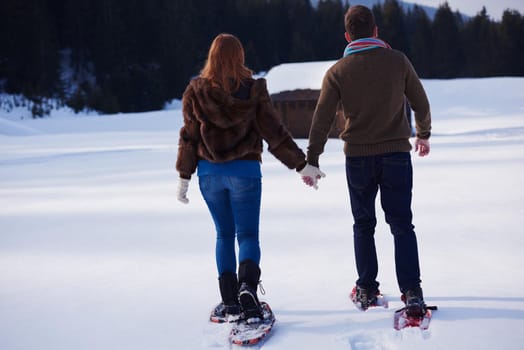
[372, 86]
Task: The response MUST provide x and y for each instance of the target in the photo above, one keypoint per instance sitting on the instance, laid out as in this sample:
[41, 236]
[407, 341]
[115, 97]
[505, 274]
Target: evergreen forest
[134, 55]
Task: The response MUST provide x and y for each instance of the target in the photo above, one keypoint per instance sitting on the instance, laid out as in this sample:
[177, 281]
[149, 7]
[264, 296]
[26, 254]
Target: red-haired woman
[227, 114]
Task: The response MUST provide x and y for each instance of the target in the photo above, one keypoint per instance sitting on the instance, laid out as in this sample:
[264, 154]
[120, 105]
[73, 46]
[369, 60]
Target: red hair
[225, 66]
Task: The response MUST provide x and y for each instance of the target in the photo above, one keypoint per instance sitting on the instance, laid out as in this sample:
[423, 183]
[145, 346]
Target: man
[372, 82]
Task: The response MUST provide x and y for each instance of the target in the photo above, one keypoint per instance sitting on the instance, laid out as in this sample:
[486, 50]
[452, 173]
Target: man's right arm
[323, 118]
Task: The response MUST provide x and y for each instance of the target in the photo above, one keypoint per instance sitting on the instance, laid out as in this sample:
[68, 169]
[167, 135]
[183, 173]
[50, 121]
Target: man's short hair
[359, 22]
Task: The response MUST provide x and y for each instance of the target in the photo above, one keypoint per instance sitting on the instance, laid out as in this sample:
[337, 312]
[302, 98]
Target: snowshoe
[365, 299]
[253, 330]
[223, 313]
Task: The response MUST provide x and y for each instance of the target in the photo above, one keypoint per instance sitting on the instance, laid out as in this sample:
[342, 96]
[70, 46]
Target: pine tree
[251, 22]
[479, 40]
[328, 36]
[511, 38]
[392, 27]
[421, 41]
[30, 60]
[180, 56]
[448, 56]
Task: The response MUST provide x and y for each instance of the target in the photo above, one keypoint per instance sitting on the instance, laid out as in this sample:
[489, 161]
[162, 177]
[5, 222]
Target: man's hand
[422, 147]
[310, 175]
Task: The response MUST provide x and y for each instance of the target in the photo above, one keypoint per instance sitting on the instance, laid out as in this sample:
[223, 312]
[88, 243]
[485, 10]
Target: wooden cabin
[294, 90]
[296, 110]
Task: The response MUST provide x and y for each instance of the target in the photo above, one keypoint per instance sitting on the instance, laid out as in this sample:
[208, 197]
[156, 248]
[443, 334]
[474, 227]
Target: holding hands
[310, 175]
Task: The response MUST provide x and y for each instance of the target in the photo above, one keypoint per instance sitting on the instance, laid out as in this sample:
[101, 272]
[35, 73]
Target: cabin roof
[297, 76]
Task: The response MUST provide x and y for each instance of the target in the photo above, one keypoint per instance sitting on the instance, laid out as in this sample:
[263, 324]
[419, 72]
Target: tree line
[133, 55]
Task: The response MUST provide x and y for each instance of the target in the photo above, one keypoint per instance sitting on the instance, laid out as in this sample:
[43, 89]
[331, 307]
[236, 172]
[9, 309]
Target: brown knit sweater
[220, 127]
[372, 86]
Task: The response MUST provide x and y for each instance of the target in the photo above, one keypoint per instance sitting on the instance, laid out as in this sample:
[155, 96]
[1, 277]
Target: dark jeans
[392, 173]
[234, 203]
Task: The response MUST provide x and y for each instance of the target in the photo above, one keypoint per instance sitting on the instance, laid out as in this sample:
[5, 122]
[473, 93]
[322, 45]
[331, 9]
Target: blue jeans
[234, 203]
[392, 173]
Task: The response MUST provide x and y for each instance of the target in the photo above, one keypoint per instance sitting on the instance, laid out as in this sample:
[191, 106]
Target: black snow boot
[364, 297]
[248, 278]
[414, 300]
[229, 308]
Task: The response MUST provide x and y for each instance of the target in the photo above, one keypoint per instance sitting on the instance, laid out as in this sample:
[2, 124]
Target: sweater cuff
[301, 166]
[424, 135]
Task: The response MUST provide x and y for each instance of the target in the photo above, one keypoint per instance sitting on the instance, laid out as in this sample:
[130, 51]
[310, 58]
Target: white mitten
[311, 174]
[181, 190]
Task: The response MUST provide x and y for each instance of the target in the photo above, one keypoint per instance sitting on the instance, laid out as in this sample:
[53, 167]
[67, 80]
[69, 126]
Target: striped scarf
[364, 44]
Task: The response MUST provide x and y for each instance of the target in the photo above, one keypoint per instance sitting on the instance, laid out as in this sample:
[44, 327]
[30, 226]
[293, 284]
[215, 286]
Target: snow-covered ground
[96, 252]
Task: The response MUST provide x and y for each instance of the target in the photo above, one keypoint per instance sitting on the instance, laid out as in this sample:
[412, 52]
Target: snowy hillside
[96, 252]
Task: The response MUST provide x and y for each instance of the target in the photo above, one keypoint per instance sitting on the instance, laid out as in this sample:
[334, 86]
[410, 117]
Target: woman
[227, 114]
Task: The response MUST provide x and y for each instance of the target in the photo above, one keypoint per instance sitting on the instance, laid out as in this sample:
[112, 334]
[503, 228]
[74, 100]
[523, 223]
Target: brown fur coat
[219, 127]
